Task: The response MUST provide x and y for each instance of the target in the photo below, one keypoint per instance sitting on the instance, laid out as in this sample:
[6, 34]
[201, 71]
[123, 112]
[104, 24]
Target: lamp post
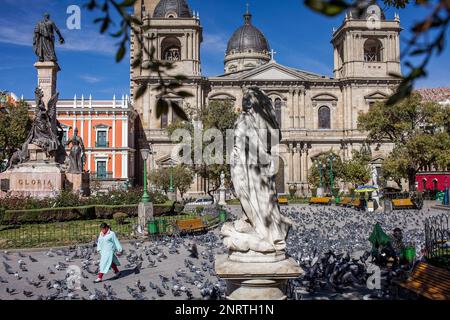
[145, 197]
[320, 167]
[331, 158]
[171, 188]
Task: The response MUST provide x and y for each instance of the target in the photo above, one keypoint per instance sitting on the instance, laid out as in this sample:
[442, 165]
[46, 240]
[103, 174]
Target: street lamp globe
[145, 153]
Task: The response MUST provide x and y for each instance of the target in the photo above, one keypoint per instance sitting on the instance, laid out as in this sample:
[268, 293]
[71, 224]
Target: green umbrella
[378, 237]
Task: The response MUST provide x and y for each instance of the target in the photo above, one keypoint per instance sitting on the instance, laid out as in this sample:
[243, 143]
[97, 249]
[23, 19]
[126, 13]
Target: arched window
[171, 49]
[372, 50]
[435, 184]
[424, 184]
[324, 118]
[277, 106]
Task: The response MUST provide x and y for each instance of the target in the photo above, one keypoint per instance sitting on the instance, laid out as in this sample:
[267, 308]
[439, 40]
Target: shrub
[120, 217]
[199, 209]
[65, 214]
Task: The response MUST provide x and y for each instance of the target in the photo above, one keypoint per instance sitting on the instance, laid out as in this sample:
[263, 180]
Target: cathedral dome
[172, 9]
[248, 48]
[248, 38]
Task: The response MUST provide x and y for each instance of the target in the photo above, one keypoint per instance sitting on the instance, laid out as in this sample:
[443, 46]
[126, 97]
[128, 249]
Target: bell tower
[173, 33]
[367, 45]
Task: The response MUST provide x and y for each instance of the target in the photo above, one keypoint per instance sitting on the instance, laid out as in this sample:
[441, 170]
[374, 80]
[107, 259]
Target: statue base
[40, 177]
[78, 183]
[145, 214]
[222, 197]
[256, 281]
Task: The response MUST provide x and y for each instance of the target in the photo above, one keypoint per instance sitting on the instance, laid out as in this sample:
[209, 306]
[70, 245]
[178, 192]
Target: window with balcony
[101, 170]
[102, 141]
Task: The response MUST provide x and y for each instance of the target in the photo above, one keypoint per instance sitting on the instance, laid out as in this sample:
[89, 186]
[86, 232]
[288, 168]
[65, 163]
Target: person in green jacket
[108, 246]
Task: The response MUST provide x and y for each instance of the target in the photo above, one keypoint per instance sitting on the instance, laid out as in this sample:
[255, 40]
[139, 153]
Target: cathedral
[317, 113]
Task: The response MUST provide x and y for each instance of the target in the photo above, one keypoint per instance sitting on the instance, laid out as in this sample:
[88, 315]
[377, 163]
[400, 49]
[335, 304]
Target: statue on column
[77, 154]
[262, 228]
[44, 39]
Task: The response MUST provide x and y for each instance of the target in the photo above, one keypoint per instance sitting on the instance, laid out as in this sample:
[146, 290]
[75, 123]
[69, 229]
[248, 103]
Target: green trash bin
[153, 227]
[162, 226]
[223, 216]
[409, 253]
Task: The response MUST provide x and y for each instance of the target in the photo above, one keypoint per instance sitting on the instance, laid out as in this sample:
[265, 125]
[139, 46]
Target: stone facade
[317, 113]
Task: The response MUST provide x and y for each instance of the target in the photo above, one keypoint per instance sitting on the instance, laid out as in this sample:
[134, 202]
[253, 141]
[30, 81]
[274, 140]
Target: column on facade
[291, 108]
[186, 45]
[297, 165]
[303, 113]
[291, 161]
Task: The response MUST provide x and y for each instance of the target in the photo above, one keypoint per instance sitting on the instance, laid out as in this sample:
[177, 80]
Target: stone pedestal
[320, 192]
[145, 214]
[172, 196]
[47, 76]
[40, 177]
[222, 196]
[77, 183]
[256, 280]
[38, 180]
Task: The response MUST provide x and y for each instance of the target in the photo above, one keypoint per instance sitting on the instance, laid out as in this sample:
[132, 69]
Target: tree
[418, 130]
[160, 179]
[183, 177]
[14, 127]
[324, 158]
[219, 115]
[356, 170]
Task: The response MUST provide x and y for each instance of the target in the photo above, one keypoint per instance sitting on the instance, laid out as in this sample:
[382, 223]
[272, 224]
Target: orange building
[107, 128]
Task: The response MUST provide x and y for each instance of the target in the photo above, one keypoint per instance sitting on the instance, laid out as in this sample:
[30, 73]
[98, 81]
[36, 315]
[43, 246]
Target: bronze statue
[44, 39]
[42, 133]
[77, 154]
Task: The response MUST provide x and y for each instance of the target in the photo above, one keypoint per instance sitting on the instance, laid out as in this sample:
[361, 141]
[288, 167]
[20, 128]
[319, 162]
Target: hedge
[65, 214]
[11, 217]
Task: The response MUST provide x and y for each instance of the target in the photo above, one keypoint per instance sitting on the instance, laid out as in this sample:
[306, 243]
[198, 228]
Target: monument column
[47, 76]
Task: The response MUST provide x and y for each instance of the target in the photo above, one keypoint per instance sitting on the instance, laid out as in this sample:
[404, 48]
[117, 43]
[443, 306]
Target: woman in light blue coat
[108, 245]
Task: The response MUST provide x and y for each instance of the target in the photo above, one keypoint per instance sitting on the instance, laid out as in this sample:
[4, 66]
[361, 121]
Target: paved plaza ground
[168, 272]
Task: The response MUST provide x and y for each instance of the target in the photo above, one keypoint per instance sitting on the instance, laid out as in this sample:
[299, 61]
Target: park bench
[403, 204]
[356, 203]
[345, 201]
[191, 225]
[428, 281]
[320, 200]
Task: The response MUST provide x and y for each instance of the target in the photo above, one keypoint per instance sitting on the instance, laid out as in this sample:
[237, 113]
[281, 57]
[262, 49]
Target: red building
[435, 181]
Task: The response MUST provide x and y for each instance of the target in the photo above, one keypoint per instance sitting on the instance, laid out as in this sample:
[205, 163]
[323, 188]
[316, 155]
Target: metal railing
[102, 144]
[102, 175]
[437, 240]
[59, 234]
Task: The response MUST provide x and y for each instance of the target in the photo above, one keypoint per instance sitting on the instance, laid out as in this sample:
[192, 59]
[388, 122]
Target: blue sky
[300, 37]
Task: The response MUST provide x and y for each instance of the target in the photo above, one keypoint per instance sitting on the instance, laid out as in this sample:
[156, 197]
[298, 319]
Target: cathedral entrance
[279, 178]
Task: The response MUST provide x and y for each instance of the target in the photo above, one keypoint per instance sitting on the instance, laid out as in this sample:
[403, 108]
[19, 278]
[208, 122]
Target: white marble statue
[222, 180]
[262, 229]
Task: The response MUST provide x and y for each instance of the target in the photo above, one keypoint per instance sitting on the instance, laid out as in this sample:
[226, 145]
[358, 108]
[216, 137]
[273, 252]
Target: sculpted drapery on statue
[44, 39]
[43, 132]
[77, 153]
[262, 229]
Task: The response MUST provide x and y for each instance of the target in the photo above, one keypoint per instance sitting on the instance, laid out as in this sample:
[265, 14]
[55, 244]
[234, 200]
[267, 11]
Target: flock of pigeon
[329, 243]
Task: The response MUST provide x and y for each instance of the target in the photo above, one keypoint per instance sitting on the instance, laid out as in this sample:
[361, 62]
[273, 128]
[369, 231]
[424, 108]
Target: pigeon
[193, 251]
[28, 294]
[50, 271]
[3, 280]
[11, 291]
[32, 259]
[140, 287]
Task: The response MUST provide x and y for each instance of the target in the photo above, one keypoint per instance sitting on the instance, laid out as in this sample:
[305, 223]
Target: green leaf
[121, 52]
[179, 112]
[162, 107]
[140, 91]
[329, 8]
[127, 3]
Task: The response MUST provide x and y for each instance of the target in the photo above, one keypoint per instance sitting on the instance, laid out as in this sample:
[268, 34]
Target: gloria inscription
[35, 183]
